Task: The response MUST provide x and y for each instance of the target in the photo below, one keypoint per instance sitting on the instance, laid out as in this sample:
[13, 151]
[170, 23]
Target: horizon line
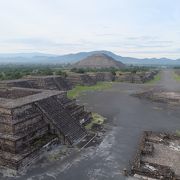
[74, 53]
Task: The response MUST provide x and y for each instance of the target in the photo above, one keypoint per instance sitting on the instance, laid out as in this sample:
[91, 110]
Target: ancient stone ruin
[158, 95]
[35, 111]
[138, 77]
[80, 79]
[39, 82]
[158, 157]
[31, 118]
[102, 76]
[89, 78]
[58, 82]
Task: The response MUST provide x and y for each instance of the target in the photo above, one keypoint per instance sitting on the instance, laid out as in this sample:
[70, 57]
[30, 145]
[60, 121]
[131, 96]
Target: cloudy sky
[137, 28]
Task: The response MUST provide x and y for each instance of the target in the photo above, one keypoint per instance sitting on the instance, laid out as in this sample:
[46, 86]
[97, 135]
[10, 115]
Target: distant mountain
[41, 58]
[99, 60]
[24, 55]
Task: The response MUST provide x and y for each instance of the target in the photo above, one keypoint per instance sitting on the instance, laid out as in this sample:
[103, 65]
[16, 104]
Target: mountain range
[42, 58]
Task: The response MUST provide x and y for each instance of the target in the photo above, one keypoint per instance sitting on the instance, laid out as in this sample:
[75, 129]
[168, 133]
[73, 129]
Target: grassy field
[97, 119]
[178, 133]
[156, 79]
[75, 92]
[176, 77]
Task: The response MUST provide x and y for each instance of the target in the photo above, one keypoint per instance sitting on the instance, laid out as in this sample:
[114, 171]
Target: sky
[135, 28]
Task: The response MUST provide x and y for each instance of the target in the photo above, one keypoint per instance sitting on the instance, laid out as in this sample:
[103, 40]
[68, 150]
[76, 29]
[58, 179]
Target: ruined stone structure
[102, 76]
[129, 77]
[158, 157]
[58, 82]
[80, 79]
[39, 82]
[31, 118]
[158, 95]
[139, 77]
[89, 78]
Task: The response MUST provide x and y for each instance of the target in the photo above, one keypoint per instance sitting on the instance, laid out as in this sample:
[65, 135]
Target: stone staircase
[77, 111]
[62, 83]
[61, 120]
[37, 84]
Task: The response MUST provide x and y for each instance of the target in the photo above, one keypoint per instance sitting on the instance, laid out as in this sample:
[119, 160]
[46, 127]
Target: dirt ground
[127, 117]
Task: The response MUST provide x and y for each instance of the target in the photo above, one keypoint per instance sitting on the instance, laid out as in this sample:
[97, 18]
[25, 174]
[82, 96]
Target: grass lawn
[156, 79]
[97, 119]
[75, 92]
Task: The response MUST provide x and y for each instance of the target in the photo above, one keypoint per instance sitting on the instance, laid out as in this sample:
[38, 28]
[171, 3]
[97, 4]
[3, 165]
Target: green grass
[75, 92]
[176, 77]
[97, 119]
[156, 79]
[178, 133]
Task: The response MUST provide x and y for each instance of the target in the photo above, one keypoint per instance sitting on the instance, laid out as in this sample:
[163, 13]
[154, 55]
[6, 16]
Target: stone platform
[31, 118]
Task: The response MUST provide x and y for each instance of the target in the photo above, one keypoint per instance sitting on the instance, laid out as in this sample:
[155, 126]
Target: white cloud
[146, 28]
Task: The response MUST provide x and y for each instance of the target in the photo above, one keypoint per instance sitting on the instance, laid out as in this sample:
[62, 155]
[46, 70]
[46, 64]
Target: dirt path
[168, 82]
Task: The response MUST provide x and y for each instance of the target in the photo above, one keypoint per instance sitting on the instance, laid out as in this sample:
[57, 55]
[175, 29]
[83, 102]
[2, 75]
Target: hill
[99, 60]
